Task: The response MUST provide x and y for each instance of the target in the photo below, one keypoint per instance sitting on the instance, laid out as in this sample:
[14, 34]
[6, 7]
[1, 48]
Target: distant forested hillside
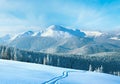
[102, 62]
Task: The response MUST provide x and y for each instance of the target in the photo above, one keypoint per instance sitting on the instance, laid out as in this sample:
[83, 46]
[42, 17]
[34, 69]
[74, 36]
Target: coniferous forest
[109, 63]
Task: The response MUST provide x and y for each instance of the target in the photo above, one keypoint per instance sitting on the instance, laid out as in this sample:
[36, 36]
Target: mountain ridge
[58, 39]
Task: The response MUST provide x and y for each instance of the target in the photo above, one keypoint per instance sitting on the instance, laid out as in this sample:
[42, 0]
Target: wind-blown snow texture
[12, 72]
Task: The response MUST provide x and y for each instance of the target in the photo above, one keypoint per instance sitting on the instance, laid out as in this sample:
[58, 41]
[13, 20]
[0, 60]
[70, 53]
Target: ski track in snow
[55, 79]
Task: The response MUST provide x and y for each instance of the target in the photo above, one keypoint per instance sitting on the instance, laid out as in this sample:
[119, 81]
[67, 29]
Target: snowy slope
[58, 39]
[5, 39]
[12, 72]
[23, 34]
[114, 38]
[93, 33]
[59, 31]
[55, 39]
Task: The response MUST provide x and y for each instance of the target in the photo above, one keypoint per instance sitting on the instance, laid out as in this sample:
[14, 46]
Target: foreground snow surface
[12, 72]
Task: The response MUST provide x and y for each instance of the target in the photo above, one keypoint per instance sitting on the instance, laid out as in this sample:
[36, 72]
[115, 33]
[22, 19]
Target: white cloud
[18, 14]
[91, 18]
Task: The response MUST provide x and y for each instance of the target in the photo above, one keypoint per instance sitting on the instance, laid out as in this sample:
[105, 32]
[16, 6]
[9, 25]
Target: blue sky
[23, 15]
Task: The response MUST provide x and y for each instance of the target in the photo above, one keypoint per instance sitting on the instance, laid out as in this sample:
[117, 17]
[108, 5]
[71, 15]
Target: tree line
[105, 64]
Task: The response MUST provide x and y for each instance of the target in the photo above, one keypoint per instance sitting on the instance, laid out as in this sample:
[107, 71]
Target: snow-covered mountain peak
[114, 38]
[54, 34]
[24, 34]
[93, 33]
[58, 39]
[37, 34]
[7, 36]
[56, 30]
[27, 33]
[56, 27]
